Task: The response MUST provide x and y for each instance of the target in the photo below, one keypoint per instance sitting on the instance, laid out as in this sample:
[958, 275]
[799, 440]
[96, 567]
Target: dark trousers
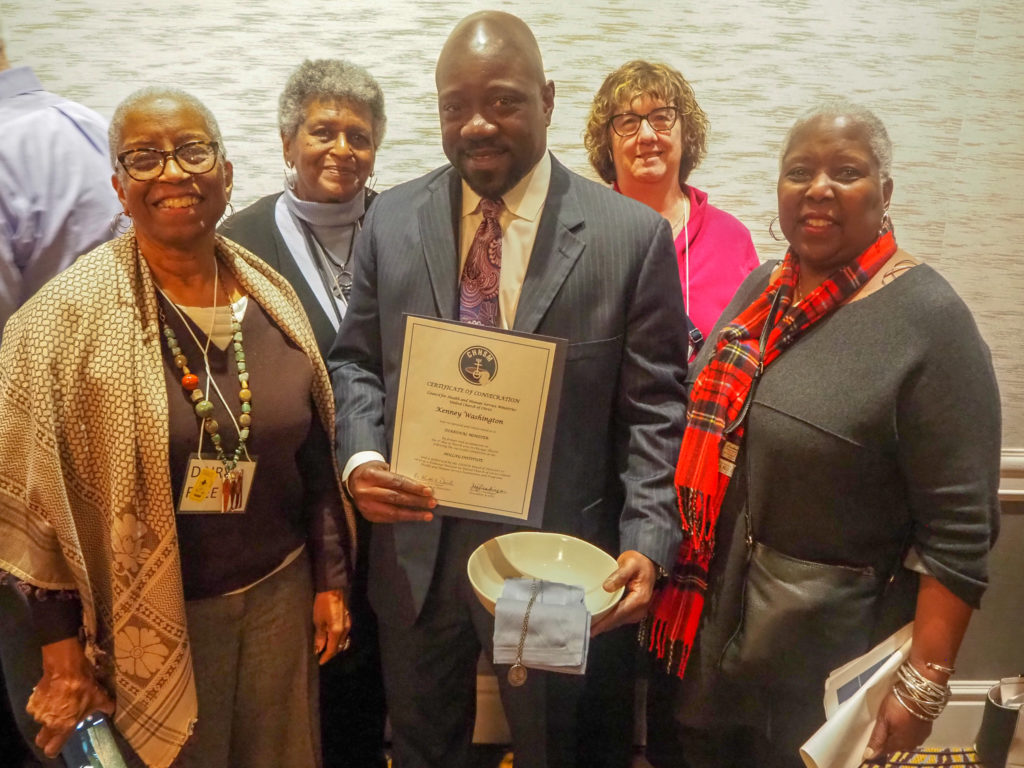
[352, 706]
[22, 663]
[430, 679]
[791, 719]
[739, 747]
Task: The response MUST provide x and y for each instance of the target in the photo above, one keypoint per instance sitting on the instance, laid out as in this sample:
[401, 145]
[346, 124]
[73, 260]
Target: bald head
[494, 103]
[493, 33]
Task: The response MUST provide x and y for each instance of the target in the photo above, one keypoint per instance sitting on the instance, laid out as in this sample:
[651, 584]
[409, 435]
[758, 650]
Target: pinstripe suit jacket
[603, 275]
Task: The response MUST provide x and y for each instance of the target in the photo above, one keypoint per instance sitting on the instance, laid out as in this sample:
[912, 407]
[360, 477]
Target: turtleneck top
[331, 225]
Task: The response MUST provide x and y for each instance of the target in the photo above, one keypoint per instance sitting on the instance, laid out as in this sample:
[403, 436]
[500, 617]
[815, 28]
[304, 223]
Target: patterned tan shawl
[85, 488]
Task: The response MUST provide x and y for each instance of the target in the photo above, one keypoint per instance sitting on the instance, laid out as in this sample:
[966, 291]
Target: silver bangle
[906, 706]
[923, 698]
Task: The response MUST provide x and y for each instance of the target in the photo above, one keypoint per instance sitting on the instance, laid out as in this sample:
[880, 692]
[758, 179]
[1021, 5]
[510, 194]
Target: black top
[255, 228]
[294, 497]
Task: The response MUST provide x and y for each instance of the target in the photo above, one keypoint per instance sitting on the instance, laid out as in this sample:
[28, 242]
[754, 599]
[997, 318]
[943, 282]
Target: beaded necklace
[190, 382]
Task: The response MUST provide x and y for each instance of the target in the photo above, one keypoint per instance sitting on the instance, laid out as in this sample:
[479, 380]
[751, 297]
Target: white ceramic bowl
[547, 556]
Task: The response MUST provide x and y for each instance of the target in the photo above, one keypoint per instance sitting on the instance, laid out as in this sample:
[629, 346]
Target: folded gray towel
[558, 630]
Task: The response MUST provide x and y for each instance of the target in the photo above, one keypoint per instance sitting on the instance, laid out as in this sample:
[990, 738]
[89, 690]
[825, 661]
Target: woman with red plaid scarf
[838, 476]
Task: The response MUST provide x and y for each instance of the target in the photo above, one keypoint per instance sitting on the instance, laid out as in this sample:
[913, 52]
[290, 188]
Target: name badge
[209, 487]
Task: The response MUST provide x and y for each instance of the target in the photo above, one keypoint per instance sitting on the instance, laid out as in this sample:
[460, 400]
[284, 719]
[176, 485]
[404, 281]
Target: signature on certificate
[435, 482]
[486, 490]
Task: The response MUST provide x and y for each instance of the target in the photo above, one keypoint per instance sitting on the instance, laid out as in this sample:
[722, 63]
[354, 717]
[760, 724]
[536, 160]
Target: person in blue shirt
[56, 200]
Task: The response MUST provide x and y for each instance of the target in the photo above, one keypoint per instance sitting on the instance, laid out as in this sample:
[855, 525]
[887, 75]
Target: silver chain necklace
[517, 672]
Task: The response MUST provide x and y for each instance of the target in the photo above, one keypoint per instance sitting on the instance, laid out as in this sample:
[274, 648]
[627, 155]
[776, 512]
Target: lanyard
[204, 351]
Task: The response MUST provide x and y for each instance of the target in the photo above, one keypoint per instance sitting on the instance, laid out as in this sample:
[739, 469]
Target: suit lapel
[555, 250]
[438, 222]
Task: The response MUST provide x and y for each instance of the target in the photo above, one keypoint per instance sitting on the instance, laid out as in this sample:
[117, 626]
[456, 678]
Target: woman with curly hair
[331, 120]
[644, 135]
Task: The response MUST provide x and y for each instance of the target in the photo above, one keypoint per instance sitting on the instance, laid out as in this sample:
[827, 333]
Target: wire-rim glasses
[195, 157]
[661, 120]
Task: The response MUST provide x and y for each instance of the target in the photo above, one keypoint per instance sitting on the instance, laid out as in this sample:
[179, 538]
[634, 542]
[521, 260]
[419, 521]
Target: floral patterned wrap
[85, 490]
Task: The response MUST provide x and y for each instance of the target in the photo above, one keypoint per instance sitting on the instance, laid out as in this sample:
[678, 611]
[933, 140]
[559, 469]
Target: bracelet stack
[921, 697]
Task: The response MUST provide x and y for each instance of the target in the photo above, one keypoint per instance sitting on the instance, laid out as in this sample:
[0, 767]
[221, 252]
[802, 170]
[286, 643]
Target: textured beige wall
[947, 78]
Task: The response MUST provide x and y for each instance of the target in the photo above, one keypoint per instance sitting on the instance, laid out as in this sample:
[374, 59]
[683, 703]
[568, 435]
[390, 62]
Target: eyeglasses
[192, 157]
[628, 123]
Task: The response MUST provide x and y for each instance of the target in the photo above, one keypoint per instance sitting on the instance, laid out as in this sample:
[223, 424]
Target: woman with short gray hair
[331, 119]
[838, 475]
[169, 506]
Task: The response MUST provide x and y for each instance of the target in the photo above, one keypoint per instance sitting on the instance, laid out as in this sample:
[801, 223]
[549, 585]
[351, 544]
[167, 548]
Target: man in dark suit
[577, 262]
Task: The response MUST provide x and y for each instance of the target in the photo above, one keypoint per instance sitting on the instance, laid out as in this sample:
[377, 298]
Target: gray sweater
[879, 428]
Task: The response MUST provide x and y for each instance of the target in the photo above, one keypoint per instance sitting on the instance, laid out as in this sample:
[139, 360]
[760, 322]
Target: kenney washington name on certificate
[476, 417]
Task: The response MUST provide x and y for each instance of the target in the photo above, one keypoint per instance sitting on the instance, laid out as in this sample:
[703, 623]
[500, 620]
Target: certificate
[475, 417]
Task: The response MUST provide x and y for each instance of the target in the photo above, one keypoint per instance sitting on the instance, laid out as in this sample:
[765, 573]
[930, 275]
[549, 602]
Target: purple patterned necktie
[478, 291]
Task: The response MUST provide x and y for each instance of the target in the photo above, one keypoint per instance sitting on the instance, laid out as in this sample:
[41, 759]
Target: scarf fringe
[674, 615]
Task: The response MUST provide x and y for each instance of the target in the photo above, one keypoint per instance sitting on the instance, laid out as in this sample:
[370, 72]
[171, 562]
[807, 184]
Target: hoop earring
[290, 176]
[118, 225]
[771, 231]
[229, 211]
[887, 225]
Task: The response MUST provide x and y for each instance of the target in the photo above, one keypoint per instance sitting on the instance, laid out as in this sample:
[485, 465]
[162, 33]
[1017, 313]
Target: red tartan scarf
[709, 449]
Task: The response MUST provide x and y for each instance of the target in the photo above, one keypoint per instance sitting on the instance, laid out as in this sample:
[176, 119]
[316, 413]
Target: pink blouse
[721, 254]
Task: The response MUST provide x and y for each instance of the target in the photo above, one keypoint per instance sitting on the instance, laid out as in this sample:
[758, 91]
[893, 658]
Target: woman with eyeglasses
[168, 499]
[331, 119]
[645, 134]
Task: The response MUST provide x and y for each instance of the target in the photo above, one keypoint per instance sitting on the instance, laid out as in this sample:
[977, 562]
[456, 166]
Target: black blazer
[254, 228]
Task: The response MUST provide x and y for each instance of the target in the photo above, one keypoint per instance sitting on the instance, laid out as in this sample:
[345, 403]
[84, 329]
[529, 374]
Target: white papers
[853, 695]
[1015, 757]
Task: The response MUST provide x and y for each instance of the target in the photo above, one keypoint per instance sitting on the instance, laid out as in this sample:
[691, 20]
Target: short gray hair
[330, 80]
[155, 93]
[877, 136]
